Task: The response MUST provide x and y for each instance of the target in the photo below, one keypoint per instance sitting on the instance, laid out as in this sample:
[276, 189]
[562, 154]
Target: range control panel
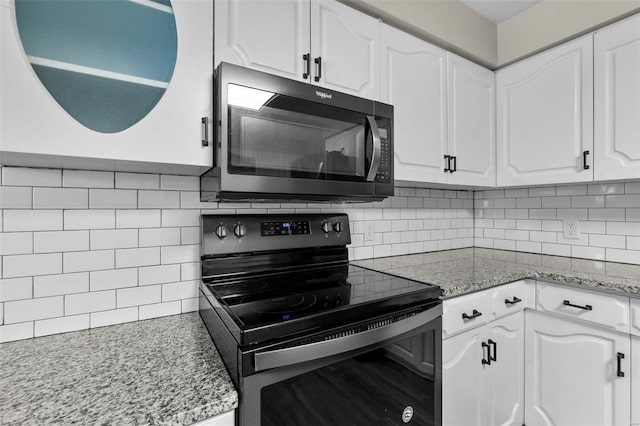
[227, 234]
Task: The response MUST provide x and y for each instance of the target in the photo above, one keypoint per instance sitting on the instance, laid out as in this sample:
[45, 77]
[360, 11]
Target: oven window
[282, 136]
[385, 386]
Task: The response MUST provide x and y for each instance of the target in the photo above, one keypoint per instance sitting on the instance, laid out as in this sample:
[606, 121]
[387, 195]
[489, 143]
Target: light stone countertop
[463, 271]
[163, 371]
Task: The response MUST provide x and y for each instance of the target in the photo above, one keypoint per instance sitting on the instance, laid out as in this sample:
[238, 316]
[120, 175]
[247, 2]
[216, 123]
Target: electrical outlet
[571, 230]
[369, 232]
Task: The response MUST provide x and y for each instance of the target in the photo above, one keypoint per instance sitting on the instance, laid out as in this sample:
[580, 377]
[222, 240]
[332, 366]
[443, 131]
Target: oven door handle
[313, 351]
[377, 146]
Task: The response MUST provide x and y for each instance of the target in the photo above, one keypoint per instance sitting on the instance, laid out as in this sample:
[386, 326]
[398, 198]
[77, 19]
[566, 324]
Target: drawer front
[607, 310]
[635, 319]
[476, 309]
[509, 298]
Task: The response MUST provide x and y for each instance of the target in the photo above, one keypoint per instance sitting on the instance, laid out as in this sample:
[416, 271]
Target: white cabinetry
[635, 361]
[36, 131]
[572, 373]
[443, 107]
[320, 41]
[545, 117]
[617, 101]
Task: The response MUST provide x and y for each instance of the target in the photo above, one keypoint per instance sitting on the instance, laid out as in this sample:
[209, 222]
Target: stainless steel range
[309, 339]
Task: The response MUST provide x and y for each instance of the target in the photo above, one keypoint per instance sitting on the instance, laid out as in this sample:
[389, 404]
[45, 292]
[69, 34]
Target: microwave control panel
[384, 171]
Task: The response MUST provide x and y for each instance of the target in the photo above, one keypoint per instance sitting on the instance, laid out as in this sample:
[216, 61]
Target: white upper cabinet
[545, 117]
[270, 36]
[617, 101]
[413, 79]
[471, 122]
[319, 41]
[53, 92]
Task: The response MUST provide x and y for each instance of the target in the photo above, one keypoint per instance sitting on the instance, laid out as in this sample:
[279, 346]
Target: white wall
[84, 249]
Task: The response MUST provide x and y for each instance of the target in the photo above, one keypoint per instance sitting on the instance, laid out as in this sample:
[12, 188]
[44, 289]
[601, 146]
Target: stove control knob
[221, 231]
[326, 227]
[337, 226]
[240, 230]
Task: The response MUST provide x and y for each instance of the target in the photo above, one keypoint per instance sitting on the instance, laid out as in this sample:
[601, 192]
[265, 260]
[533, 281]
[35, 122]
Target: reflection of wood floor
[371, 390]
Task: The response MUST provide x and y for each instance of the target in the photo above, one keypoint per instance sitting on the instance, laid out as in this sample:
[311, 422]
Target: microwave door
[373, 135]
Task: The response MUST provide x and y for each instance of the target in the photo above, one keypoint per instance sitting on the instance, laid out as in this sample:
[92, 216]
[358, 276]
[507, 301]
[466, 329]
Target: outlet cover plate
[571, 229]
[369, 232]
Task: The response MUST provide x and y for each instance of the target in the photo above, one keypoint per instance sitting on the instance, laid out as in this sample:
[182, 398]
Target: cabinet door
[471, 118]
[37, 131]
[347, 44]
[413, 81]
[270, 36]
[571, 374]
[617, 101]
[506, 373]
[463, 391]
[545, 117]
[635, 380]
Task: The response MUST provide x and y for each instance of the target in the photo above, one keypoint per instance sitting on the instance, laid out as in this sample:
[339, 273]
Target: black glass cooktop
[273, 305]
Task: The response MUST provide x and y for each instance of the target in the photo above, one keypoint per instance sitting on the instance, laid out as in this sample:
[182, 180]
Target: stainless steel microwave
[280, 139]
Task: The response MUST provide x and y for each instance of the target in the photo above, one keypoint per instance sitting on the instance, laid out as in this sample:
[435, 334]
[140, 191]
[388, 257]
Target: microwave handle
[377, 144]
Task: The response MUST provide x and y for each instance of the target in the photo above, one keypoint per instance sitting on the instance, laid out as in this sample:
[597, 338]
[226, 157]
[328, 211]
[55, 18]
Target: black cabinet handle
[584, 160]
[455, 164]
[474, 314]
[513, 301]
[585, 307]
[488, 360]
[447, 163]
[205, 125]
[620, 358]
[307, 64]
[493, 344]
[318, 62]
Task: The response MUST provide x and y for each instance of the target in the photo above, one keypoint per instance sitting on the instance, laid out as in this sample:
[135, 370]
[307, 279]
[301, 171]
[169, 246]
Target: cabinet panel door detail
[348, 43]
[617, 101]
[463, 393]
[471, 122]
[413, 81]
[571, 374]
[270, 36]
[635, 380]
[507, 372]
[635, 316]
[545, 116]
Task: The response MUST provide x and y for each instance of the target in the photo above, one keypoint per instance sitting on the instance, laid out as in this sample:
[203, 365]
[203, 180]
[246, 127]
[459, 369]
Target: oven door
[389, 377]
[280, 136]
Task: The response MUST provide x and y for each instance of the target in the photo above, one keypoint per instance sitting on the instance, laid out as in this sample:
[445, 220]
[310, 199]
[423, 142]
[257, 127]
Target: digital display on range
[298, 227]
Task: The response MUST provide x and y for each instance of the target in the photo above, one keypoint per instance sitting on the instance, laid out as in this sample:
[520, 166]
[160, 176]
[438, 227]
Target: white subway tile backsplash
[596, 253]
[190, 235]
[173, 218]
[60, 198]
[624, 256]
[116, 316]
[632, 215]
[632, 187]
[16, 243]
[89, 219]
[623, 228]
[556, 202]
[126, 258]
[61, 325]
[606, 188]
[180, 290]
[137, 218]
[189, 305]
[89, 302]
[87, 179]
[32, 220]
[26, 265]
[138, 296]
[16, 197]
[88, 261]
[16, 289]
[113, 199]
[33, 309]
[591, 201]
[23, 176]
[60, 241]
[180, 254]
[160, 310]
[633, 243]
[631, 200]
[113, 278]
[613, 241]
[168, 273]
[137, 181]
[12, 332]
[60, 284]
[114, 239]
[571, 190]
[158, 199]
[188, 271]
[163, 237]
[180, 183]
[607, 214]
[556, 249]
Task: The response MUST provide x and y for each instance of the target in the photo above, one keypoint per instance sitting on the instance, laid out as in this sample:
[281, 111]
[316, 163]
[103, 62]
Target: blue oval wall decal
[107, 63]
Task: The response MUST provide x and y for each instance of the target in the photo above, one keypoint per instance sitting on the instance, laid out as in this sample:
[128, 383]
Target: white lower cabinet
[635, 380]
[482, 374]
[576, 374]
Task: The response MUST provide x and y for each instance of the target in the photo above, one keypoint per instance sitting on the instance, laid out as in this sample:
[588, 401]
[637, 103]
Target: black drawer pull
[493, 357]
[306, 58]
[584, 160]
[512, 302]
[474, 314]
[447, 162]
[318, 62]
[620, 358]
[585, 307]
[488, 360]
